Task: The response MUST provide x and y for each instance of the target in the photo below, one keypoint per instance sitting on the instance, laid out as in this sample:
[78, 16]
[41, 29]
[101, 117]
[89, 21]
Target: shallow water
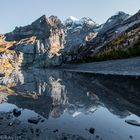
[70, 105]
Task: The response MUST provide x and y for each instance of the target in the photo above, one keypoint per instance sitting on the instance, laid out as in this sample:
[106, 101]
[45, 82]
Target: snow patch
[74, 22]
[110, 20]
[73, 18]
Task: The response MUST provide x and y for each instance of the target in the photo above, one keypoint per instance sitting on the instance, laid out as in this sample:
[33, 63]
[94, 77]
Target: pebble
[34, 120]
[91, 130]
[55, 131]
[132, 122]
[10, 124]
[97, 137]
[16, 112]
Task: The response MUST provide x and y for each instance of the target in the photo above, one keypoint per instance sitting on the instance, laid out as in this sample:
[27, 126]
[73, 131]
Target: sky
[23, 12]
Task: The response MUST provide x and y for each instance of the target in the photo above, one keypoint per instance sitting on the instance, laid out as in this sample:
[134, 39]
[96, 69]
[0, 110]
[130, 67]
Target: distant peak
[73, 18]
[43, 16]
[117, 16]
[39, 20]
[120, 13]
[75, 22]
[87, 20]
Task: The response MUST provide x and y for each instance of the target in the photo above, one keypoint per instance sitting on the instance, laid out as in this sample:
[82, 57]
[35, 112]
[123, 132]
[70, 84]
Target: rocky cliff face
[120, 37]
[117, 38]
[7, 57]
[48, 42]
[78, 32]
[38, 44]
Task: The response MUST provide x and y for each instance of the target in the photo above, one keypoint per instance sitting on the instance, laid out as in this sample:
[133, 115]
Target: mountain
[49, 42]
[121, 37]
[39, 43]
[78, 31]
[117, 38]
[73, 22]
[114, 22]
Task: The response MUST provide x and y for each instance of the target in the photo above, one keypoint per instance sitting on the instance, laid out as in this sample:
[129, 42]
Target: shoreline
[120, 67]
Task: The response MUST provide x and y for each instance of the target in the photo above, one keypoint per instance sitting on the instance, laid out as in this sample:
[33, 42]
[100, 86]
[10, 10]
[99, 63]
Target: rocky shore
[124, 67]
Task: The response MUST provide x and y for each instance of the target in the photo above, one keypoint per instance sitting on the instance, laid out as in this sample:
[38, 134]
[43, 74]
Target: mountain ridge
[50, 42]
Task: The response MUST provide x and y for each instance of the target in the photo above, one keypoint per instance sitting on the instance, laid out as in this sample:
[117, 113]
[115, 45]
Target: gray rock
[16, 112]
[92, 130]
[40, 43]
[132, 122]
[34, 120]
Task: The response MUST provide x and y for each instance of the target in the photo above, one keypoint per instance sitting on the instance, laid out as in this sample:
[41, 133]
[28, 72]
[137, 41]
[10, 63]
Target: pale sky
[22, 12]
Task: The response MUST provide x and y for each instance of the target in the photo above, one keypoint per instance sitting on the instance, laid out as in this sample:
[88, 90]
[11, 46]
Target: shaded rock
[11, 123]
[16, 112]
[34, 120]
[91, 130]
[38, 44]
[114, 22]
[97, 137]
[42, 120]
[132, 122]
[1, 118]
[2, 75]
[37, 132]
[55, 131]
[16, 121]
[32, 130]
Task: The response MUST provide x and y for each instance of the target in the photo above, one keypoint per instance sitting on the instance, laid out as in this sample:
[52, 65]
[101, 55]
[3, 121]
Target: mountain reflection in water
[72, 104]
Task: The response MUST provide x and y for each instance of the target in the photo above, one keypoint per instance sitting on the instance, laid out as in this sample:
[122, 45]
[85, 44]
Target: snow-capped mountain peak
[73, 18]
[73, 22]
[87, 20]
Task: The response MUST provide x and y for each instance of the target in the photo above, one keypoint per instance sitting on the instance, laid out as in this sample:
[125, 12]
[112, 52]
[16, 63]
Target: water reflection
[85, 100]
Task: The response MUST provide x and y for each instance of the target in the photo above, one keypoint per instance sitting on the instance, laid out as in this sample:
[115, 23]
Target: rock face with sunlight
[7, 57]
[38, 44]
[78, 32]
[117, 38]
[49, 42]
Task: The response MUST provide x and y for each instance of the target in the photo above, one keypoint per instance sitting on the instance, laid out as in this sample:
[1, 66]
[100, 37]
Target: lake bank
[126, 67]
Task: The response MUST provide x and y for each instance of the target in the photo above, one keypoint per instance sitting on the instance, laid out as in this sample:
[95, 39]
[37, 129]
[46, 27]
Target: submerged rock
[131, 137]
[92, 130]
[16, 112]
[132, 122]
[56, 130]
[34, 120]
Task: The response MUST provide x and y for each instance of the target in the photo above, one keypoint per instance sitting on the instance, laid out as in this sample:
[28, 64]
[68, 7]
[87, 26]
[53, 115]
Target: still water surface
[70, 106]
